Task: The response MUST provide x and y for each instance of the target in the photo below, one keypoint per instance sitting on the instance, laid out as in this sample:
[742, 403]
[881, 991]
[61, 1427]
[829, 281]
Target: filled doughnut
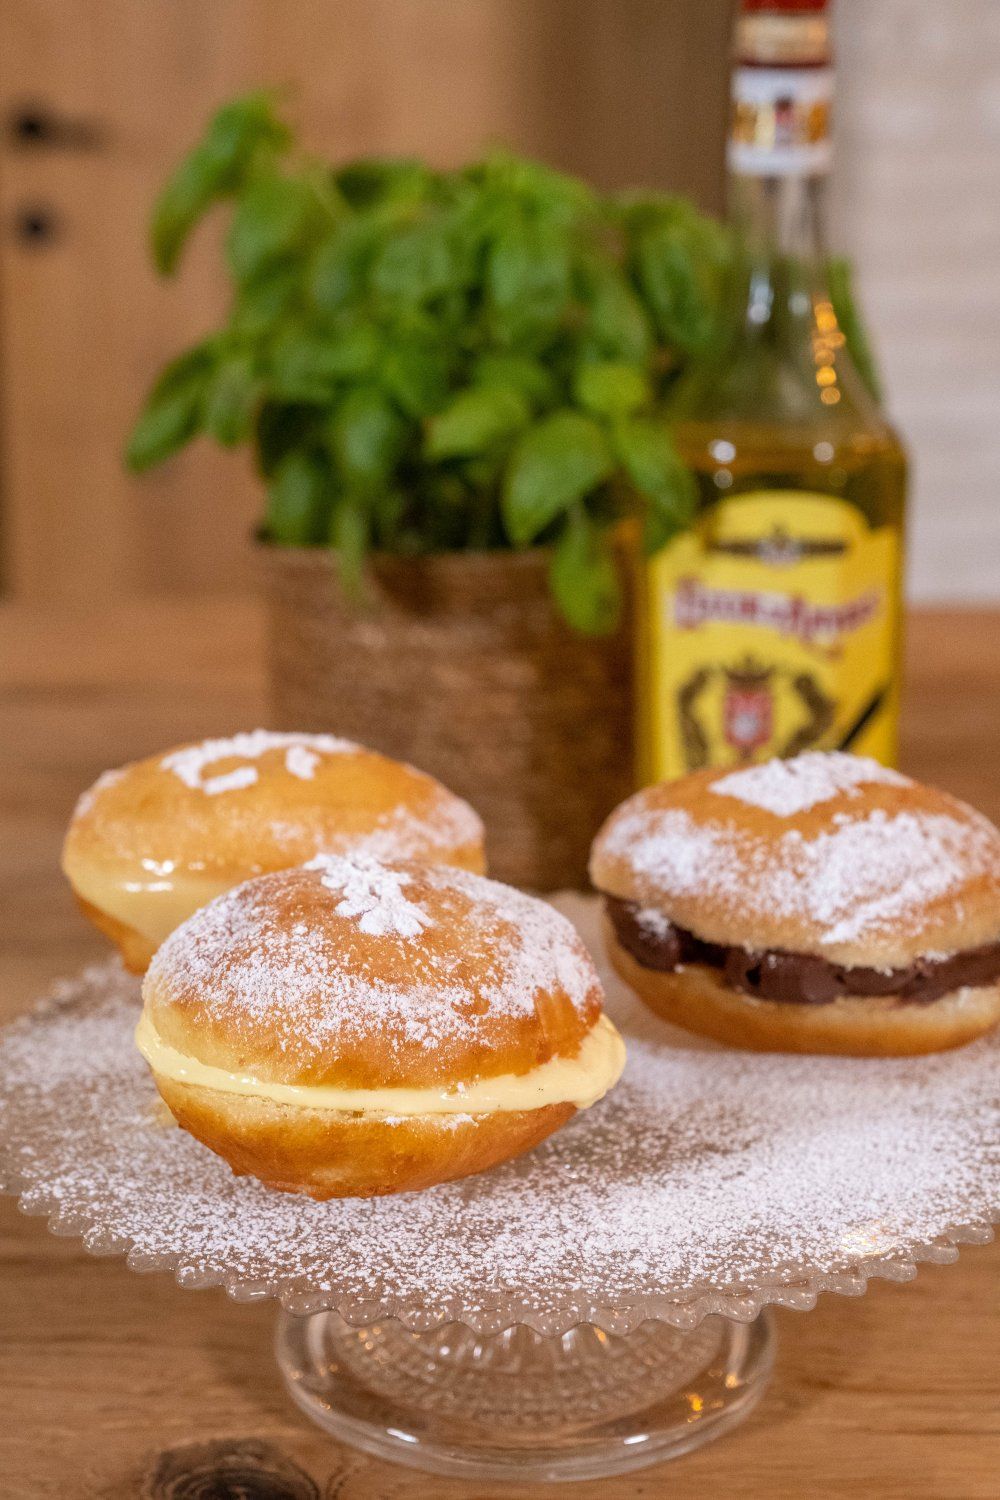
[820, 904]
[348, 1029]
[152, 842]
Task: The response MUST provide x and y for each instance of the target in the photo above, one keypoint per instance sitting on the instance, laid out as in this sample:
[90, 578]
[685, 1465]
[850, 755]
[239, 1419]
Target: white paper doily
[709, 1181]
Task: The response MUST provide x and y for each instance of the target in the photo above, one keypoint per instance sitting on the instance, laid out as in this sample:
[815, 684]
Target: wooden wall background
[623, 90]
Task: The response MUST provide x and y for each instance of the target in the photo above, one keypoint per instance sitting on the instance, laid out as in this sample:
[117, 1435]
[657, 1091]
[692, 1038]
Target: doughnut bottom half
[325, 1153]
[696, 999]
[136, 950]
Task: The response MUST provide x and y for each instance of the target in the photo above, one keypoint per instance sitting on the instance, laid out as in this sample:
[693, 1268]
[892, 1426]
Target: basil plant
[428, 360]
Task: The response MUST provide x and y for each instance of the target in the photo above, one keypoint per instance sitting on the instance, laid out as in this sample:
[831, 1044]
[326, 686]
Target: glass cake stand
[595, 1306]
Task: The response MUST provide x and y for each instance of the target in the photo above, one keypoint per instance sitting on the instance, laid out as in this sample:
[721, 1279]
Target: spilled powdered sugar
[292, 980]
[704, 1173]
[787, 787]
[372, 893]
[856, 881]
[302, 753]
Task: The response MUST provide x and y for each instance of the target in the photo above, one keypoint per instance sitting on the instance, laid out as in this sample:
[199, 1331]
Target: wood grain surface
[115, 1386]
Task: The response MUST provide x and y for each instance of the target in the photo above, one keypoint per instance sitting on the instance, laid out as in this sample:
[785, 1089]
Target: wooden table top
[895, 1395]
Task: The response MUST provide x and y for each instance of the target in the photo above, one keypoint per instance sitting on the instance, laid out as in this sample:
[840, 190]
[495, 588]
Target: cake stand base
[519, 1405]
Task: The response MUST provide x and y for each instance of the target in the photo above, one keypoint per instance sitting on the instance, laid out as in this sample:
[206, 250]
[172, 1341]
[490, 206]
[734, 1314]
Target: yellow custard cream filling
[152, 904]
[579, 1080]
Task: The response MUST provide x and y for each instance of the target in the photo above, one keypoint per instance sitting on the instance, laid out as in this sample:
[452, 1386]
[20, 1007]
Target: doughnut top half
[827, 853]
[351, 973]
[233, 808]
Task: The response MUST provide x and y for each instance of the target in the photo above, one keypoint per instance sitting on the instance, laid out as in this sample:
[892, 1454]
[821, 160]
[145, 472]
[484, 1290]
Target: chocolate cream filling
[796, 978]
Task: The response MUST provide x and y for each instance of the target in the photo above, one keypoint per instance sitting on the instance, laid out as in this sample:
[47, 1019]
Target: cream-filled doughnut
[820, 904]
[153, 841]
[347, 1028]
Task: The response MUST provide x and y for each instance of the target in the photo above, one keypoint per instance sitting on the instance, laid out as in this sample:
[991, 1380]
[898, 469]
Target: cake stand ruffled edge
[798, 1293]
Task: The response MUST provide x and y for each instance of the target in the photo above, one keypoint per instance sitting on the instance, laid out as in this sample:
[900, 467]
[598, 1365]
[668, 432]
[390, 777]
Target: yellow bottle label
[770, 627]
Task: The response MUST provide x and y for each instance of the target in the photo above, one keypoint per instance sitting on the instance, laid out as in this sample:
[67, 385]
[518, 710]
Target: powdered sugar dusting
[787, 787]
[653, 921]
[301, 762]
[705, 1174]
[372, 893]
[405, 834]
[302, 754]
[856, 881]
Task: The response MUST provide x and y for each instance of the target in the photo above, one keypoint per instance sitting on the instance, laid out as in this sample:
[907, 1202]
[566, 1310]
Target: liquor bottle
[772, 625]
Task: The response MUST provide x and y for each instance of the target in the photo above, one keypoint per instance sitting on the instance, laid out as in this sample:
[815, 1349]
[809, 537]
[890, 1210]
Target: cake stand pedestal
[523, 1405]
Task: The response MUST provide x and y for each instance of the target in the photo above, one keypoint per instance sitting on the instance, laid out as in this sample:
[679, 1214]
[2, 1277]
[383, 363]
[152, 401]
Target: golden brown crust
[274, 980]
[744, 870]
[696, 999]
[333, 1154]
[136, 951]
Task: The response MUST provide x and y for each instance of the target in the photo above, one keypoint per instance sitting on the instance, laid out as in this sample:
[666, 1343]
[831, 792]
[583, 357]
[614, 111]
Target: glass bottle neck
[780, 216]
[778, 222]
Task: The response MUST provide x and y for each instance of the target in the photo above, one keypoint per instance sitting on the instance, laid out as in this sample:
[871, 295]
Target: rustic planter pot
[460, 664]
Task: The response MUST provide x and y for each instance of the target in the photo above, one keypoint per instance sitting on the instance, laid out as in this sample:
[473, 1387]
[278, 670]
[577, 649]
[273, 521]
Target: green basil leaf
[617, 320]
[678, 280]
[474, 422]
[366, 436]
[654, 467]
[584, 576]
[299, 498]
[239, 132]
[340, 266]
[172, 412]
[195, 185]
[528, 282]
[337, 272]
[414, 266]
[232, 399]
[517, 372]
[611, 388]
[417, 378]
[271, 221]
[307, 366]
[263, 303]
[557, 461]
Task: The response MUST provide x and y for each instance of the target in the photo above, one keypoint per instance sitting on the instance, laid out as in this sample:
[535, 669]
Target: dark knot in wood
[227, 1470]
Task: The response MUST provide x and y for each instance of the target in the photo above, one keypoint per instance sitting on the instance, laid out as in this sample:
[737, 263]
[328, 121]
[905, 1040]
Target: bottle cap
[784, 5]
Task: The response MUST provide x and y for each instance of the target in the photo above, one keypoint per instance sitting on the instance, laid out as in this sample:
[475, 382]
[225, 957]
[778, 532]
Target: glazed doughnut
[820, 904]
[349, 1029]
[152, 842]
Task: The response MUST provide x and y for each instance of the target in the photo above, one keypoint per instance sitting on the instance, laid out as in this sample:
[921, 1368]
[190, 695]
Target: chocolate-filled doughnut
[819, 904]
